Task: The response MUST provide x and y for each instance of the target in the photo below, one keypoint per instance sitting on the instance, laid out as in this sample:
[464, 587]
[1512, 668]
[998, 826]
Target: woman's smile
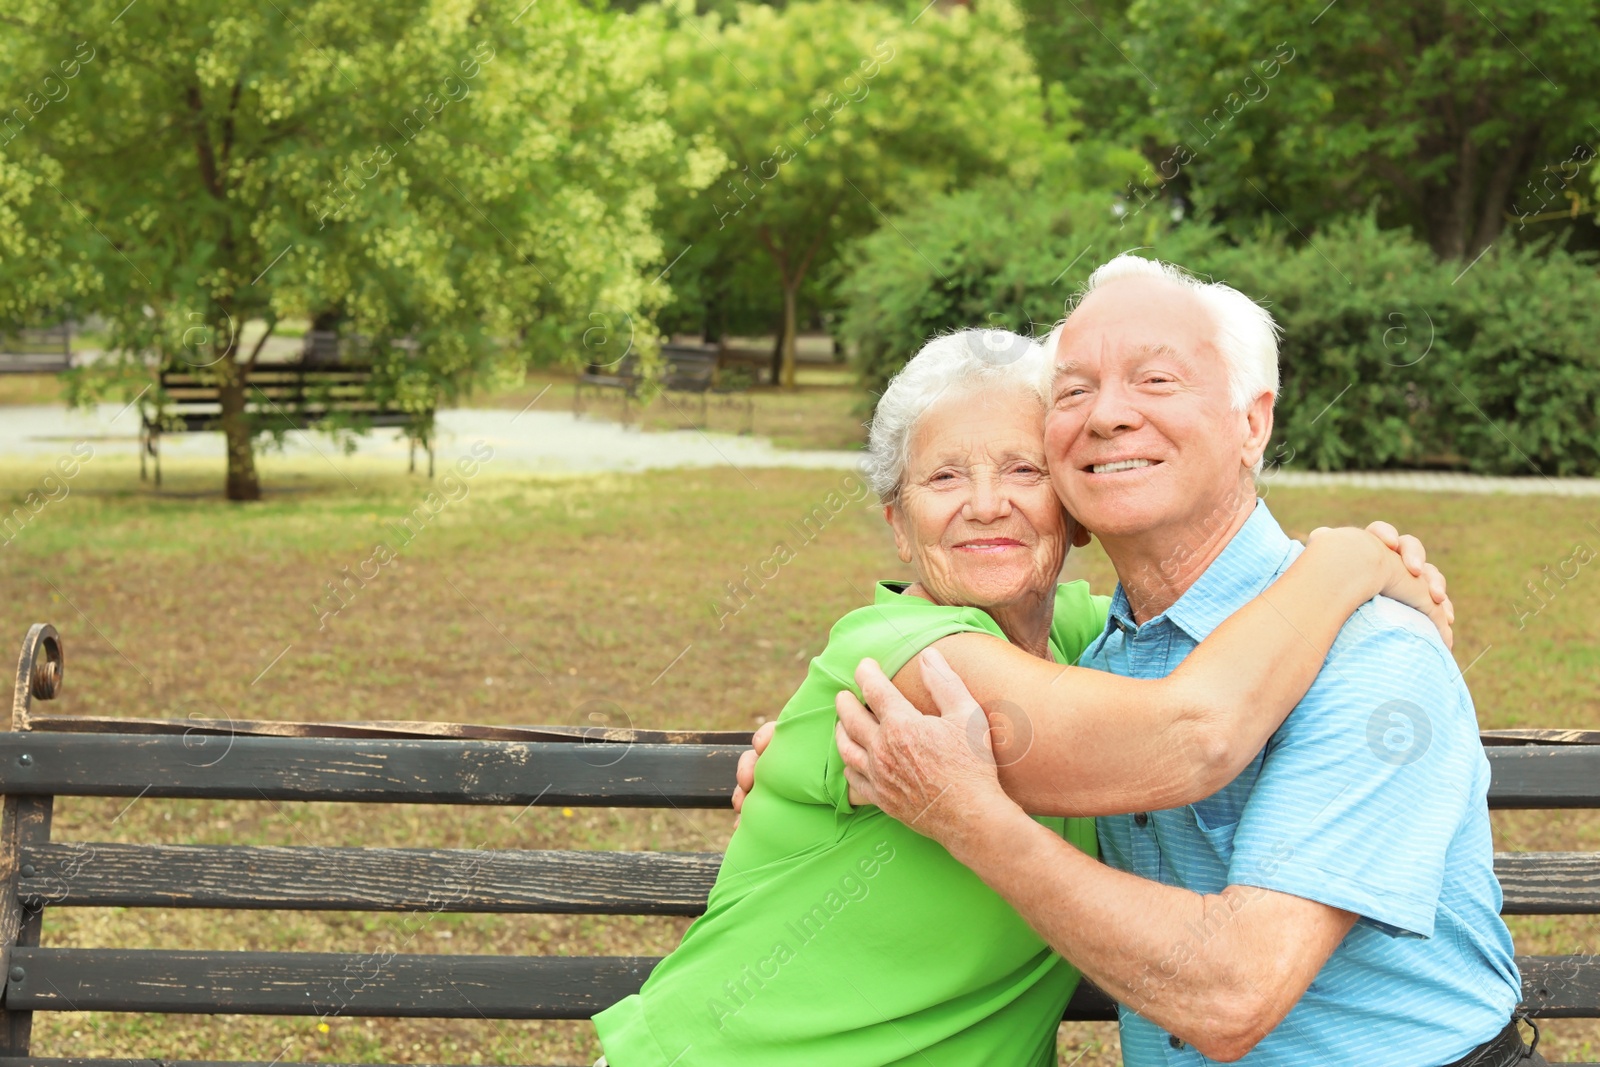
[987, 545]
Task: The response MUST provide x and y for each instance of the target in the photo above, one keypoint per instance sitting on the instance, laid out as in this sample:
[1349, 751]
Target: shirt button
[1142, 819]
[1174, 1040]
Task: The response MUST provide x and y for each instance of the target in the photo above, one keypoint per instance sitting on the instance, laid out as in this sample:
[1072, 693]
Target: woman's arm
[1074, 741]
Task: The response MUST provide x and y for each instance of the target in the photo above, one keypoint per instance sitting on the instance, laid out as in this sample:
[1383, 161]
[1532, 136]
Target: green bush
[990, 256]
[1391, 358]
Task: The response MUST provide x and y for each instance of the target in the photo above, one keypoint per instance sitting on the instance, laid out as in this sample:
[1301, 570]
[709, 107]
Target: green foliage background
[1390, 357]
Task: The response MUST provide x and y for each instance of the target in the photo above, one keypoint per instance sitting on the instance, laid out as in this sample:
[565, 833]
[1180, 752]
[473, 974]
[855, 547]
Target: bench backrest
[45, 349]
[290, 394]
[320, 347]
[51, 340]
[45, 757]
[690, 368]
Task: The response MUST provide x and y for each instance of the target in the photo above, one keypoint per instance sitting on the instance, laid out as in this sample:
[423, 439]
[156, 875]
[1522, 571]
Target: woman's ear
[902, 540]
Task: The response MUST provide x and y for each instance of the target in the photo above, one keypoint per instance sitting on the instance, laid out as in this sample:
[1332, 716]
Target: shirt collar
[889, 592]
[1247, 564]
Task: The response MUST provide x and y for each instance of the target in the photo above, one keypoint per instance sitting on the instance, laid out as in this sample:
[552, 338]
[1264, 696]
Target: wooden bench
[623, 376]
[698, 370]
[326, 382]
[48, 756]
[37, 351]
[691, 369]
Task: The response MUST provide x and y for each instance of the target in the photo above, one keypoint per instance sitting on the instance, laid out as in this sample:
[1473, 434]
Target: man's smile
[1120, 465]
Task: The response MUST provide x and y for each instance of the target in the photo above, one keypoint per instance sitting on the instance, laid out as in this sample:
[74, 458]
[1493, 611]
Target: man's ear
[1258, 430]
[902, 540]
[1079, 533]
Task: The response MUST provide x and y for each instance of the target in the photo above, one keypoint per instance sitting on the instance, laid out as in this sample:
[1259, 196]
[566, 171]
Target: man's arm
[1217, 971]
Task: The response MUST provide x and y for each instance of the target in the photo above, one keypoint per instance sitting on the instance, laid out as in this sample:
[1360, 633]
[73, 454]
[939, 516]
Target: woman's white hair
[1246, 335]
[955, 363]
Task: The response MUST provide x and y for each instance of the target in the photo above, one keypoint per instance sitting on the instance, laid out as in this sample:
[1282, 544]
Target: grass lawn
[31, 389]
[541, 600]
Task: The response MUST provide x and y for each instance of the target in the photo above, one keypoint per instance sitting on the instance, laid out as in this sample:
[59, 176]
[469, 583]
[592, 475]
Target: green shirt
[836, 935]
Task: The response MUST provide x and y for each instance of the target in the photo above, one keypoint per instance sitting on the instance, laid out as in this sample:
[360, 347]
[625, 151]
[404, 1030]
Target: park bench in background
[36, 351]
[692, 369]
[442, 764]
[697, 369]
[324, 382]
[622, 376]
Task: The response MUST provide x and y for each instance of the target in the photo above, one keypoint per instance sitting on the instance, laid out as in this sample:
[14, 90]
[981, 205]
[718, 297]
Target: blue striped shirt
[1371, 797]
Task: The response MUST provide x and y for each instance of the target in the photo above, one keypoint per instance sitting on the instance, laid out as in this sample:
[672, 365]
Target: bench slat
[97, 874]
[467, 987]
[1549, 883]
[1544, 776]
[196, 729]
[507, 772]
[516, 881]
[369, 770]
[321, 983]
[348, 983]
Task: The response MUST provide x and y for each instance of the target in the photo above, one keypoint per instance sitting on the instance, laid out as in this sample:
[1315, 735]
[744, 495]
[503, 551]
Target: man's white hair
[1246, 334]
[951, 365]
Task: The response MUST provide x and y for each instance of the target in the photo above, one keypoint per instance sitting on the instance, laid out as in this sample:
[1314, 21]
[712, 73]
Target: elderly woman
[836, 935]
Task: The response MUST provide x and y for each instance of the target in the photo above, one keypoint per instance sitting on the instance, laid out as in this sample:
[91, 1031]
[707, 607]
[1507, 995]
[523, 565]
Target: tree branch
[816, 245]
[272, 324]
[202, 143]
[227, 123]
[1497, 192]
[779, 257]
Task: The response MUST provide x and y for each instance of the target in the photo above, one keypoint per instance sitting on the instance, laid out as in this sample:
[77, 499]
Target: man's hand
[936, 774]
[746, 774]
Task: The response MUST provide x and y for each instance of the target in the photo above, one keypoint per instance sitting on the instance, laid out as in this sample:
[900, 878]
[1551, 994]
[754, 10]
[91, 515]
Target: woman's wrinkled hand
[746, 774]
[1410, 578]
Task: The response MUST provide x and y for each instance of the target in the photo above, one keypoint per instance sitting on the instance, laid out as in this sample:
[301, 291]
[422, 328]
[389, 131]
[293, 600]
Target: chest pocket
[1217, 815]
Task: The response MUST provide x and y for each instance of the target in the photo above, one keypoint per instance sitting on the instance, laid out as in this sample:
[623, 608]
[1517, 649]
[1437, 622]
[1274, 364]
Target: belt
[1505, 1049]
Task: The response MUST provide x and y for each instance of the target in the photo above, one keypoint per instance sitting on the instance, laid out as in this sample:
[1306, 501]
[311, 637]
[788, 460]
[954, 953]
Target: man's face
[1140, 434]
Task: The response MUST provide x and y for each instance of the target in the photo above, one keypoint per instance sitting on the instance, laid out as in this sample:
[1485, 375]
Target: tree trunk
[1498, 199]
[791, 295]
[775, 368]
[242, 481]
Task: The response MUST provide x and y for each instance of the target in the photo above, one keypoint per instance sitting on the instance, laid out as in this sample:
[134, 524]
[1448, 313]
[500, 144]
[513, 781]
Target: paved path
[1437, 482]
[530, 440]
[556, 442]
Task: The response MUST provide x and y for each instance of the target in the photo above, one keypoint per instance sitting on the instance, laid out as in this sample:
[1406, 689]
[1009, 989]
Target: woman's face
[976, 515]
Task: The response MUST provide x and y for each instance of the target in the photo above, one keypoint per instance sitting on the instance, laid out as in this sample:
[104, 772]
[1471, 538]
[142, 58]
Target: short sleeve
[1362, 789]
[1080, 617]
[893, 630]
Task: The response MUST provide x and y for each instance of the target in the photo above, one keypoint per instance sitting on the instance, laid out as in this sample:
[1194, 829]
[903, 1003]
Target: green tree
[1454, 118]
[834, 114]
[479, 177]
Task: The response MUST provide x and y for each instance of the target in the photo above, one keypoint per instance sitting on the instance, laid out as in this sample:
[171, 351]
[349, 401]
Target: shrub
[1390, 358]
[989, 256]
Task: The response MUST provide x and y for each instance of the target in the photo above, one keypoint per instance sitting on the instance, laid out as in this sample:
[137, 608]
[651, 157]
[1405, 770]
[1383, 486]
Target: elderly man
[1336, 903]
